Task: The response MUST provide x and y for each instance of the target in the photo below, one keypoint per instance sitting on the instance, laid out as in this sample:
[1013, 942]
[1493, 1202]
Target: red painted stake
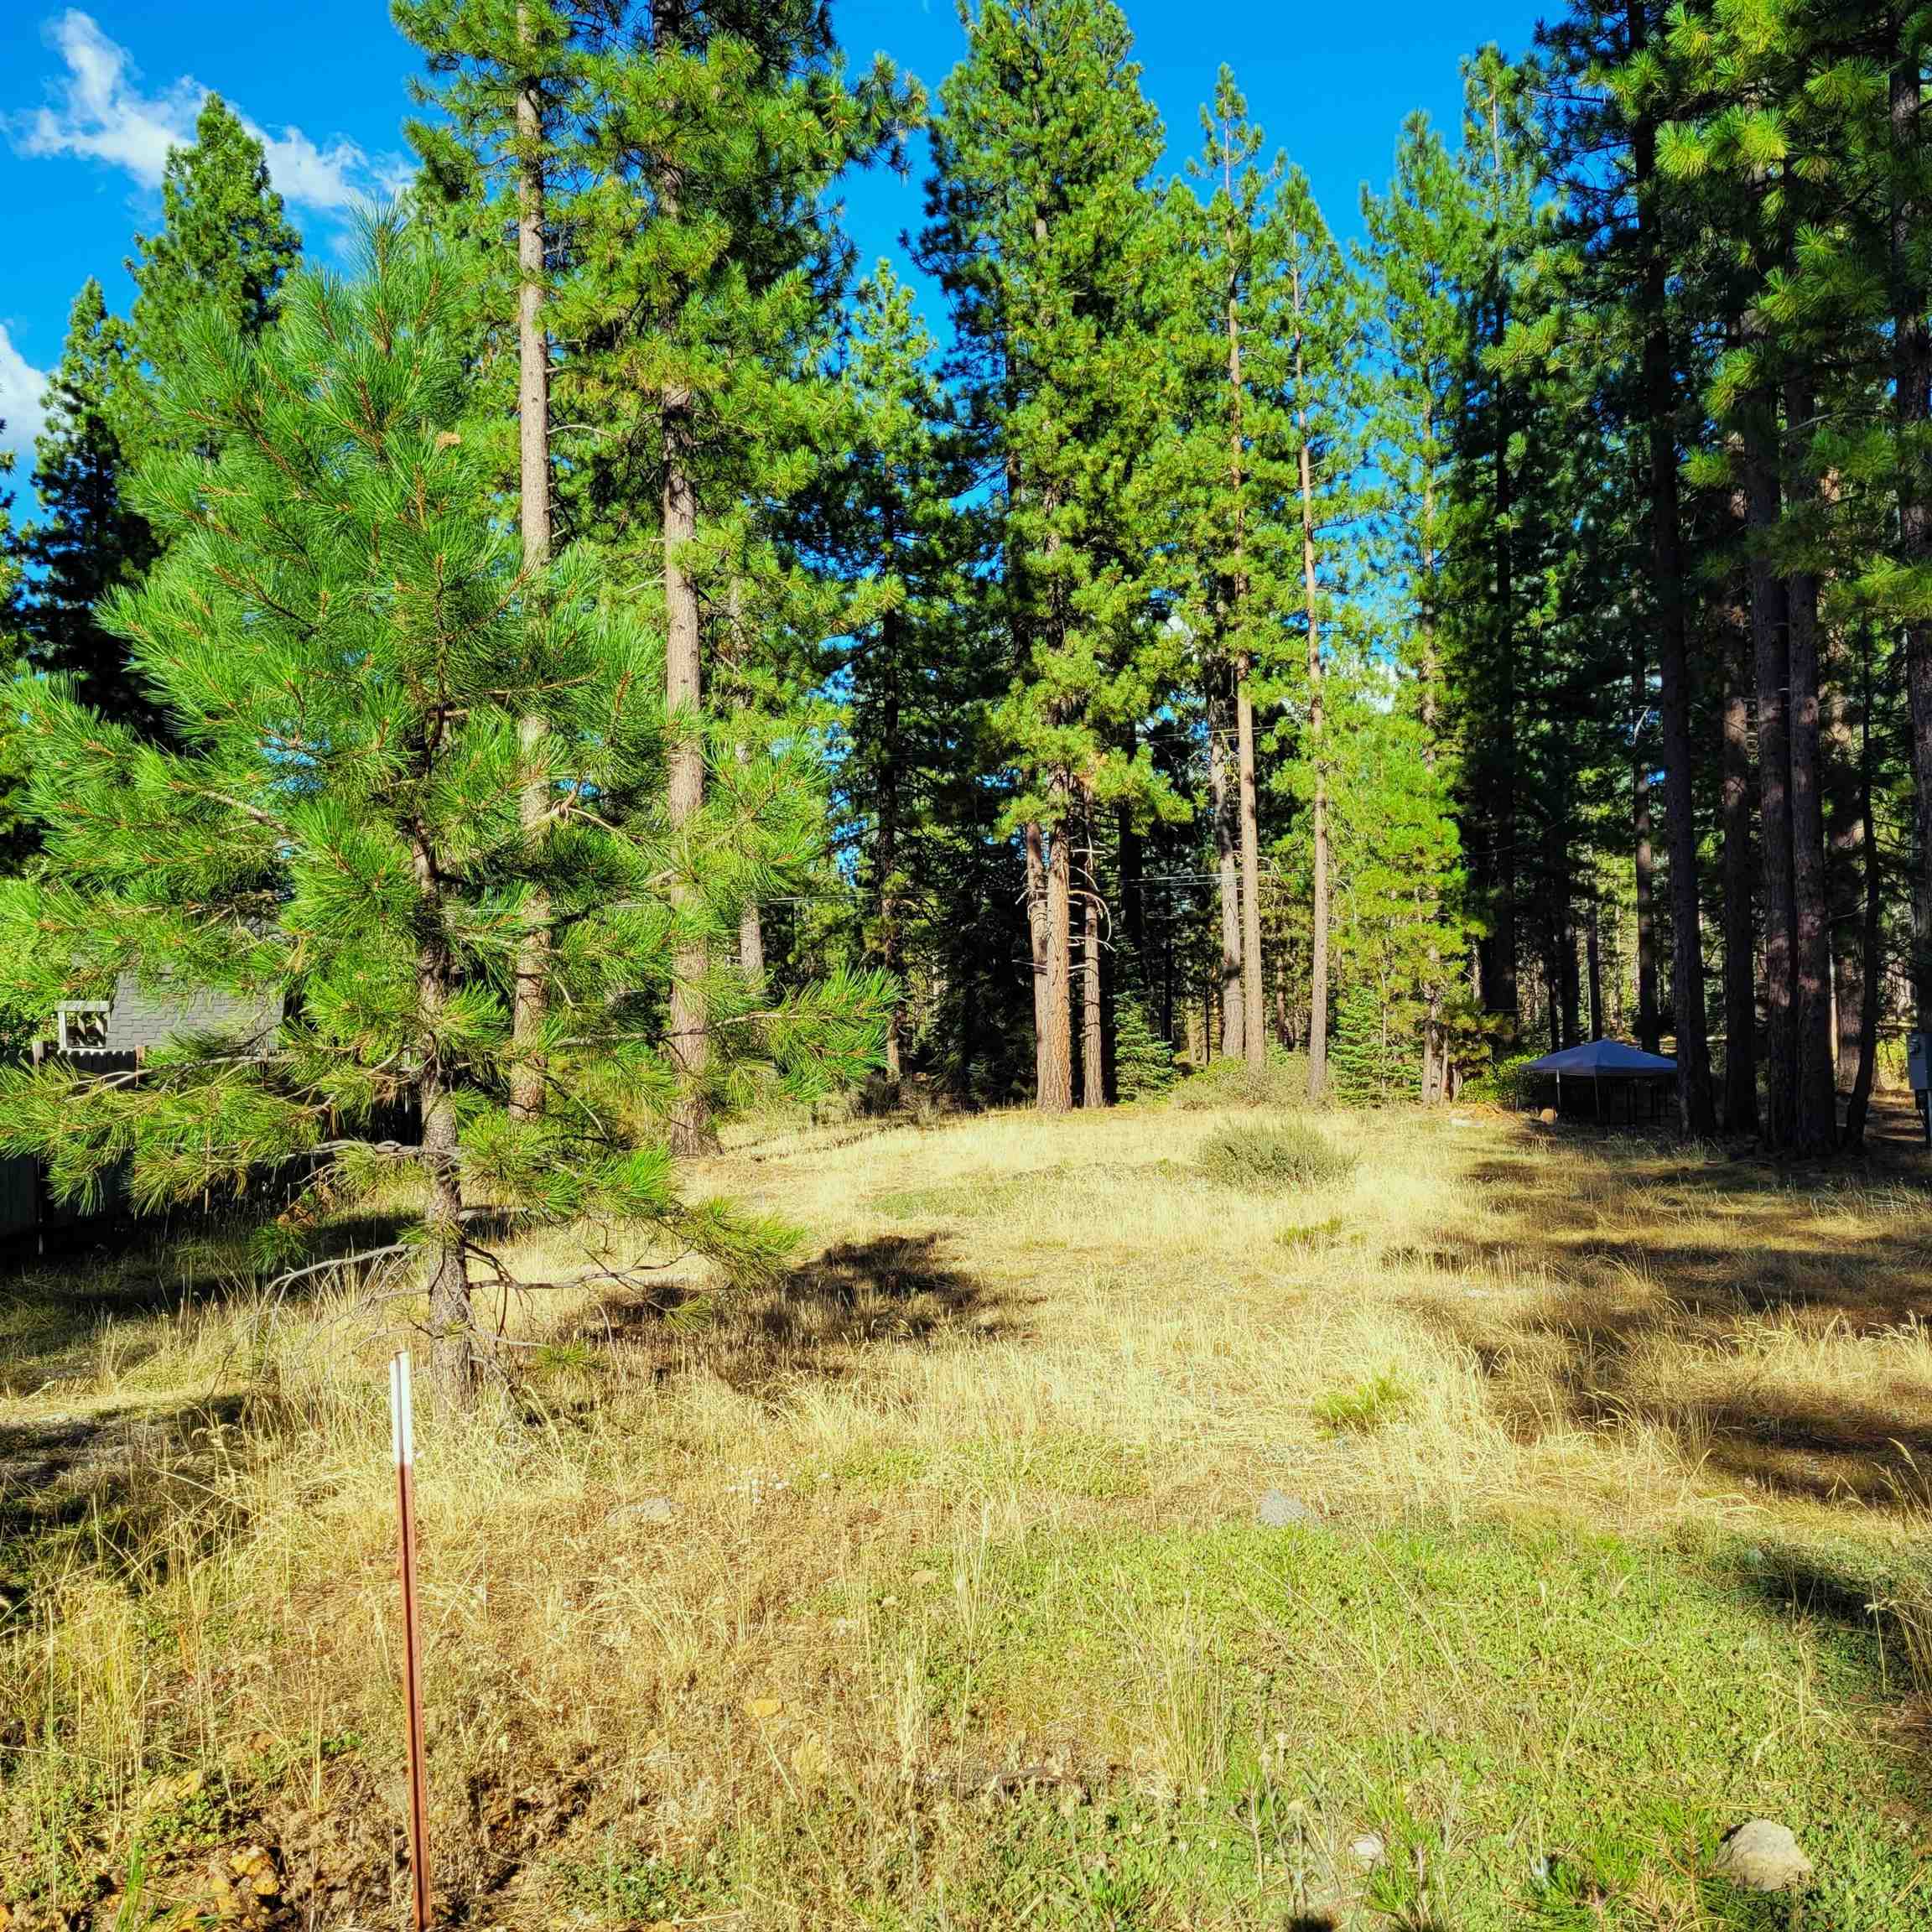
[403, 1433]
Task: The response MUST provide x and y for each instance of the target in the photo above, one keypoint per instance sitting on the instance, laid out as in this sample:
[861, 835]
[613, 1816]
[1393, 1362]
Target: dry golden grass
[920, 1504]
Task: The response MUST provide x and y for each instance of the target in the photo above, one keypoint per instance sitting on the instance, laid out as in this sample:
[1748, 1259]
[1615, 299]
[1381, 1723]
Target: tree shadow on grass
[1587, 1262]
[818, 1320]
[104, 1480]
[54, 1309]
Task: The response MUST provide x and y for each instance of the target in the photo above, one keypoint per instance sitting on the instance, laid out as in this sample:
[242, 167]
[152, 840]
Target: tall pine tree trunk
[1498, 953]
[1093, 1015]
[1253, 1024]
[1039, 921]
[683, 690]
[1696, 1112]
[1056, 1066]
[1771, 655]
[1815, 1097]
[530, 998]
[690, 1038]
[1740, 928]
[1039, 946]
[1254, 1021]
[1872, 966]
[1224, 802]
[1844, 870]
[891, 940]
[1429, 673]
[1911, 403]
[1318, 962]
[1649, 1026]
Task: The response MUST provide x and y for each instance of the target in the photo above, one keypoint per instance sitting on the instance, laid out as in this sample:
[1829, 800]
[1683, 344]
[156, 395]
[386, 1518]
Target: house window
[83, 1026]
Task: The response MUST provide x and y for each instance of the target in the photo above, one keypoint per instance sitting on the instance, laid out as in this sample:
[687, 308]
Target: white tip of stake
[401, 1410]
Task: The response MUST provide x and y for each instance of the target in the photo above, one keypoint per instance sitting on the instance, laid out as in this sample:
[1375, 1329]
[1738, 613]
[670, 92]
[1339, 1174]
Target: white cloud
[98, 111]
[21, 388]
[330, 180]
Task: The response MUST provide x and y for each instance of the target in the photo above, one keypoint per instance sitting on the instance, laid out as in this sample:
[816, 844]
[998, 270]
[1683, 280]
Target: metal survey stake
[403, 1433]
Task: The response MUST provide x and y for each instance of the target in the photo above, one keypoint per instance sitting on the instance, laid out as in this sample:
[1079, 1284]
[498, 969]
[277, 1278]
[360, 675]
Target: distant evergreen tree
[1401, 938]
[1059, 266]
[912, 674]
[88, 541]
[1143, 1065]
[12, 638]
[225, 246]
[713, 273]
[1318, 318]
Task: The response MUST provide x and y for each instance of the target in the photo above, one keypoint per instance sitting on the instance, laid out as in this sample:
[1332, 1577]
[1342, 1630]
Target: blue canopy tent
[1603, 1063]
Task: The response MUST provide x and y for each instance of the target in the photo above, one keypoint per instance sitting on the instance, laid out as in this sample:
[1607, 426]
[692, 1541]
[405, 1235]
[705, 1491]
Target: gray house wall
[139, 1018]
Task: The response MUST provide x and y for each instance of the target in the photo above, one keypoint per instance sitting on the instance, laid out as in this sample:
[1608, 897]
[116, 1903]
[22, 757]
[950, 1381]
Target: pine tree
[1239, 479]
[1319, 319]
[1057, 263]
[1491, 559]
[711, 274]
[509, 81]
[1416, 263]
[225, 240]
[1624, 239]
[1144, 1061]
[12, 638]
[913, 683]
[348, 639]
[88, 541]
[1398, 934]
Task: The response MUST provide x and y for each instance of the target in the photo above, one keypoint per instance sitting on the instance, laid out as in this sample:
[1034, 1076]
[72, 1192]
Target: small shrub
[1364, 1406]
[1283, 1082]
[1270, 1159]
[1495, 1086]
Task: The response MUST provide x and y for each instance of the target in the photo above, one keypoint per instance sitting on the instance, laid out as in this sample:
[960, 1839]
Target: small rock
[645, 1509]
[1277, 1510]
[1761, 1856]
[1369, 1849]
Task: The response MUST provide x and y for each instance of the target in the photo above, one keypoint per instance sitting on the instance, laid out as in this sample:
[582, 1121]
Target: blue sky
[91, 100]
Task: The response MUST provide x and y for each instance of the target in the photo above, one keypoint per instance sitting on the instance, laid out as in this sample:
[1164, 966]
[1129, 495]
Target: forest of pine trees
[612, 651]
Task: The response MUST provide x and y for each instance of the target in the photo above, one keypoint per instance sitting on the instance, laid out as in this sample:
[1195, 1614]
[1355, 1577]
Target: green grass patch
[879, 1465]
[1542, 1729]
[1067, 1462]
[1384, 1397]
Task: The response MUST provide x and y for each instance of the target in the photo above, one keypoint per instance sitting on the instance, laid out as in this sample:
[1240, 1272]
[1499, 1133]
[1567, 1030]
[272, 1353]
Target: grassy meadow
[1463, 1527]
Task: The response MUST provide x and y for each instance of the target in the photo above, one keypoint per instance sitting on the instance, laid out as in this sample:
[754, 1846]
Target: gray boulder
[1761, 1856]
[1277, 1510]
